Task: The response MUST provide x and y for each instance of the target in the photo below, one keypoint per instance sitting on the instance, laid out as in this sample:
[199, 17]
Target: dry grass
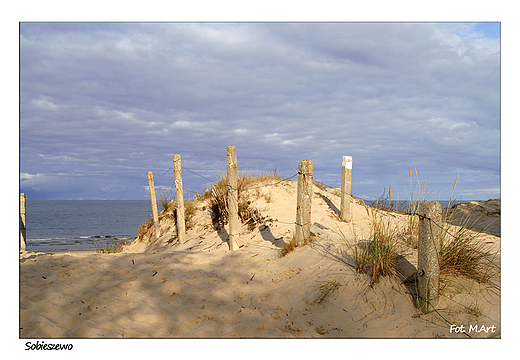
[292, 245]
[462, 249]
[115, 247]
[416, 195]
[462, 252]
[325, 290]
[145, 228]
[377, 256]
[248, 214]
[169, 211]
[288, 247]
[384, 202]
[217, 195]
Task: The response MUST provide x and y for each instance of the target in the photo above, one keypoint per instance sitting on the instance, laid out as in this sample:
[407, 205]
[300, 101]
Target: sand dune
[481, 215]
[200, 289]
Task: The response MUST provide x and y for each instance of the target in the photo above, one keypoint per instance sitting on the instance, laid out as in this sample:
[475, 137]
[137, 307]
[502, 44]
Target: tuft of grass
[218, 197]
[461, 254]
[461, 247]
[416, 195]
[169, 211]
[474, 310]
[288, 247]
[166, 204]
[115, 247]
[145, 228]
[189, 213]
[377, 257]
[325, 290]
[291, 245]
[384, 202]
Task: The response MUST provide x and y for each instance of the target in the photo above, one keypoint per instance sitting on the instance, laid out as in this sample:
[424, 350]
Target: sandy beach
[200, 289]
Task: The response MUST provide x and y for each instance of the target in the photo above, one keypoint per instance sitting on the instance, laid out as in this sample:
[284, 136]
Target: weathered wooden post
[429, 253]
[304, 202]
[179, 199]
[154, 205]
[346, 180]
[232, 179]
[23, 242]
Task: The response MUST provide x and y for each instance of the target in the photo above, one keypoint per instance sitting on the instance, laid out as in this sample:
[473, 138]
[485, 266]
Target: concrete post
[154, 205]
[232, 178]
[346, 180]
[304, 202]
[179, 199]
[23, 242]
[429, 253]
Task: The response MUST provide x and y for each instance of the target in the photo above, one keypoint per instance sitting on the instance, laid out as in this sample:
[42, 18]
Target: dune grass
[325, 290]
[377, 255]
[292, 245]
[217, 195]
[248, 214]
[114, 247]
[169, 211]
[462, 249]
[461, 253]
[416, 194]
[288, 247]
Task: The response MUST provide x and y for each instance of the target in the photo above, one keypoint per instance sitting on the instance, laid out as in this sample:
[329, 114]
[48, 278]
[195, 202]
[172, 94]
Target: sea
[53, 225]
[404, 205]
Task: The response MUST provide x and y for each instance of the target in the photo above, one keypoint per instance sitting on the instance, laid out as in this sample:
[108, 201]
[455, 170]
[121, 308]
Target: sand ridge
[200, 289]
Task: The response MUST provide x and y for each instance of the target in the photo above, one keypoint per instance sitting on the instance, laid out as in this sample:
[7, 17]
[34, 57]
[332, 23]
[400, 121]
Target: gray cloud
[102, 104]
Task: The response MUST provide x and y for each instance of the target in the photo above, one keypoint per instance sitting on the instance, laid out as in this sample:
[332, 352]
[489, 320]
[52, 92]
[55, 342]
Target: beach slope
[159, 288]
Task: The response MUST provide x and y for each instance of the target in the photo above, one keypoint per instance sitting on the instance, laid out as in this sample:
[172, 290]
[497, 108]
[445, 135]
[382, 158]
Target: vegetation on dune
[326, 289]
[114, 247]
[248, 214]
[377, 255]
[461, 253]
[291, 245]
[217, 195]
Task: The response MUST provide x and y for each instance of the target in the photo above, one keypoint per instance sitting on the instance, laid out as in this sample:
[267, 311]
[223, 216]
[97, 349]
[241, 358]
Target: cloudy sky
[101, 104]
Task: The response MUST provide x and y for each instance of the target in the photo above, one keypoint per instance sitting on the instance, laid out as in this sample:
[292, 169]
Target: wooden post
[179, 199]
[154, 205]
[304, 202]
[346, 180]
[232, 178]
[429, 253]
[23, 242]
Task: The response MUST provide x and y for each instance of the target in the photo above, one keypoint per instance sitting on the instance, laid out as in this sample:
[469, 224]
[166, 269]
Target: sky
[101, 104]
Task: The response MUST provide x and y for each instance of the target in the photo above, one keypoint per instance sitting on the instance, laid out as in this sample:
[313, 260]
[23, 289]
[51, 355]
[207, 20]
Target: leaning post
[430, 212]
[23, 242]
[346, 181]
[154, 205]
[304, 202]
[179, 199]
[232, 179]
